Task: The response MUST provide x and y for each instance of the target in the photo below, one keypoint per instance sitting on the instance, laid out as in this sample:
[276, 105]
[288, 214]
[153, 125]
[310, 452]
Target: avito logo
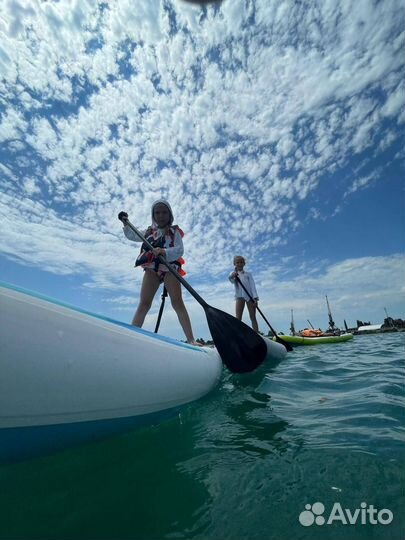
[366, 514]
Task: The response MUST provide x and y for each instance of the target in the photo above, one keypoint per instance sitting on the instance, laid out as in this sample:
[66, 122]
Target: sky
[275, 128]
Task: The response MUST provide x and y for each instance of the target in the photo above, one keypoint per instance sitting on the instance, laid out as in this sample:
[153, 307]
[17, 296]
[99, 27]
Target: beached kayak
[300, 340]
[68, 376]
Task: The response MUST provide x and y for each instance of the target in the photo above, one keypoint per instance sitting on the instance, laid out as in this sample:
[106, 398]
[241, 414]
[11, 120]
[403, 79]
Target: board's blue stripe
[21, 443]
[101, 317]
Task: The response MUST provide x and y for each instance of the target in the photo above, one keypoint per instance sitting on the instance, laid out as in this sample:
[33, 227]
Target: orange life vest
[152, 235]
[309, 332]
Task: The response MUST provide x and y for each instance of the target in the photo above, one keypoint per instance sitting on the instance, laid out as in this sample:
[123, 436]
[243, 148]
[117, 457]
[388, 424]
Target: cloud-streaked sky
[275, 129]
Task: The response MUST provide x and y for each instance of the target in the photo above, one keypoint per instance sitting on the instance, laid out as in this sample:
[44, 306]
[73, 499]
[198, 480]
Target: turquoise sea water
[325, 426]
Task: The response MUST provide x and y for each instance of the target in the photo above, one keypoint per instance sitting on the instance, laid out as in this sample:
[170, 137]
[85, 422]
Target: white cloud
[12, 125]
[395, 102]
[361, 182]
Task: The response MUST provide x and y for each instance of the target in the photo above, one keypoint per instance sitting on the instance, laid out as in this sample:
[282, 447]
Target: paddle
[240, 348]
[286, 345]
[162, 305]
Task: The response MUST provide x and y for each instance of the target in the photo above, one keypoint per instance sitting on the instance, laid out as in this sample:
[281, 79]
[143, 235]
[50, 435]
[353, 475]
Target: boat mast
[389, 319]
[332, 325]
[292, 327]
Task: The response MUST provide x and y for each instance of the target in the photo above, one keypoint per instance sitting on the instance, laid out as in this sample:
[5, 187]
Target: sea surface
[269, 455]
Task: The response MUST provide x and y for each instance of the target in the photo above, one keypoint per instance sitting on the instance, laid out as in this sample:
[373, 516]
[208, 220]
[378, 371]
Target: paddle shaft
[286, 345]
[257, 307]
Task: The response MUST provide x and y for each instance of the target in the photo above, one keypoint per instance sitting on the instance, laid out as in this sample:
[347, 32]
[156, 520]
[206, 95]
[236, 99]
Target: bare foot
[195, 343]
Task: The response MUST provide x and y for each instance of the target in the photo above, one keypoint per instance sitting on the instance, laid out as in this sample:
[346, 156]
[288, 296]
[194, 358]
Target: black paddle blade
[240, 348]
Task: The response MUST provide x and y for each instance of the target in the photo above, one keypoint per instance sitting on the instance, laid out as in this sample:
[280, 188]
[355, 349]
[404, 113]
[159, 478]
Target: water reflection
[129, 486]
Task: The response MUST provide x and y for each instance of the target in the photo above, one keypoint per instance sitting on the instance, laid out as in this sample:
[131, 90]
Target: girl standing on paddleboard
[167, 241]
[242, 297]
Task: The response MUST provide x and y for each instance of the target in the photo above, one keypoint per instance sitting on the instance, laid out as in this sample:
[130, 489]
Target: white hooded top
[247, 279]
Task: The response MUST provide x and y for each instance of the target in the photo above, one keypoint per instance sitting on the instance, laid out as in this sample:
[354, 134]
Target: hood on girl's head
[162, 201]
